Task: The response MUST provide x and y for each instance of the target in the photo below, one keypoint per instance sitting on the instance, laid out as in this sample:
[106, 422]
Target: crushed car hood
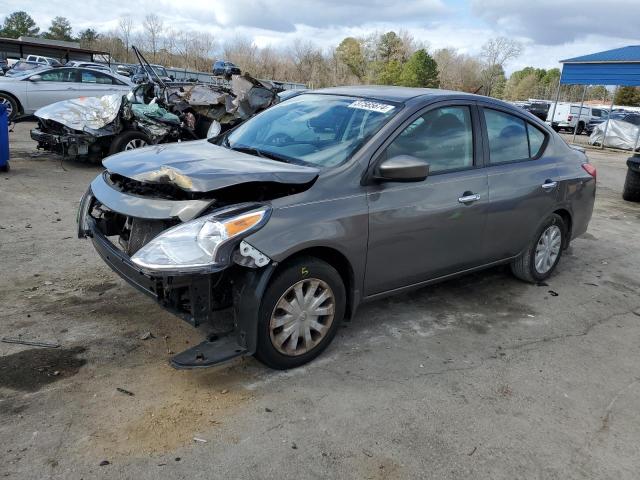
[199, 166]
[84, 113]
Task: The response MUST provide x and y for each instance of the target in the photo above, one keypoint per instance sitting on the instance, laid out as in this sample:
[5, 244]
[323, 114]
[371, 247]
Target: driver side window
[442, 137]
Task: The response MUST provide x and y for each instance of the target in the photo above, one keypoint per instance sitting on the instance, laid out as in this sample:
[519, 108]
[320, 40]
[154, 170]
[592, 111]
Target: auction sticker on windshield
[371, 106]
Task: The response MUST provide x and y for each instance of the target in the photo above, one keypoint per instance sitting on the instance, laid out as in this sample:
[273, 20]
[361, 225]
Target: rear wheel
[539, 260]
[580, 128]
[631, 190]
[129, 140]
[300, 313]
[10, 104]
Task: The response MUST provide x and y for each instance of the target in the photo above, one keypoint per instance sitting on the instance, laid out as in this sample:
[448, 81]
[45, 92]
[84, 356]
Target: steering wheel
[279, 138]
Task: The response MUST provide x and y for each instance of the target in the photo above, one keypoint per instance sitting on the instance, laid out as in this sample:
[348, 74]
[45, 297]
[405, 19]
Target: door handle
[549, 185]
[468, 197]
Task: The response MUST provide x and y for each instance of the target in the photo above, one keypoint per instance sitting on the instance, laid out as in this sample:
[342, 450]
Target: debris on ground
[126, 392]
[104, 462]
[553, 293]
[200, 440]
[146, 336]
[30, 343]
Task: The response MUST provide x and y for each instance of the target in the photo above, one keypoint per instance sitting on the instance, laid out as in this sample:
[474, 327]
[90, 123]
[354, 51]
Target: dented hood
[200, 166]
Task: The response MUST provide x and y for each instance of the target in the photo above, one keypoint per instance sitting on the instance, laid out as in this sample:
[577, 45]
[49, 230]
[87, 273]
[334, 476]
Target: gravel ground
[480, 377]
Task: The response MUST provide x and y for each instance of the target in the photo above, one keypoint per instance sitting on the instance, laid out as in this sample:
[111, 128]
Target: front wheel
[541, 257]
[128, 140]
[300, 313]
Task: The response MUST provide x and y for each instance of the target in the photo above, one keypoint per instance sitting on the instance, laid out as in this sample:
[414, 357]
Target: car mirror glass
[402, 168]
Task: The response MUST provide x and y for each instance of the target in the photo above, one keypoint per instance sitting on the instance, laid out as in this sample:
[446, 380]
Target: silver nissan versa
[329, 199]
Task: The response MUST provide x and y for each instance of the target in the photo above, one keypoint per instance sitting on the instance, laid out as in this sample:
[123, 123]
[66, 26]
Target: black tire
[303, 268]
[524, 267]
[15, 108]
[580, 128]
[631, 190]
[555, 128]
[121, 140]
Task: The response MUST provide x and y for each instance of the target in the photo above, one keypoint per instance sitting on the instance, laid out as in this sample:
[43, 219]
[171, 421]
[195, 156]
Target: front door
[54, 85]
[424, 230]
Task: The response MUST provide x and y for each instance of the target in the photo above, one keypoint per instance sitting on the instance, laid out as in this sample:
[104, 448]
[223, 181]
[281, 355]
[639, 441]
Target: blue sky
[549, 30]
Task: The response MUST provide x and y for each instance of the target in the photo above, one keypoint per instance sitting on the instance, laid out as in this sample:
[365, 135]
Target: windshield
[312, 129]
[160, 71]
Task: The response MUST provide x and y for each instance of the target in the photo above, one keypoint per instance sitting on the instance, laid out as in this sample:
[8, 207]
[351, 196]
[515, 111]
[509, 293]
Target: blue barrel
[4, 139]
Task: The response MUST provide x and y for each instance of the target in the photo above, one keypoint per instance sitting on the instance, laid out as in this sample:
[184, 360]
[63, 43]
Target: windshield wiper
[264, 154]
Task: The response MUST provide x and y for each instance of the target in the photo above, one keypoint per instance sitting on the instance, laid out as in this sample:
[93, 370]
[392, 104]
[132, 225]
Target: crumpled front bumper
[72, 144]
[198, 298]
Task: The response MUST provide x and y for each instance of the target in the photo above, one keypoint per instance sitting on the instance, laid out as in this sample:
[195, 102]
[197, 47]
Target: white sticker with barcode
[371, 106]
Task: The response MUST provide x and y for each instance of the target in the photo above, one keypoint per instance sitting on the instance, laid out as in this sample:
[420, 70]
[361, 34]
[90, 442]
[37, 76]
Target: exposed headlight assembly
[200, 244]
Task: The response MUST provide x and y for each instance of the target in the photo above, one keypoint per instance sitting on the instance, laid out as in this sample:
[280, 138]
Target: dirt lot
[480, 377]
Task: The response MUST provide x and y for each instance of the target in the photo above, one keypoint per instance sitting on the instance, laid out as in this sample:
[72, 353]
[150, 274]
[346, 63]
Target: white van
[566, 117]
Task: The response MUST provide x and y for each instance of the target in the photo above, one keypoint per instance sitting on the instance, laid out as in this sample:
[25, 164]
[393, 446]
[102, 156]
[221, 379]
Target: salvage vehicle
[225, 69]
[24, 94]
[329, 199]
[149, 114]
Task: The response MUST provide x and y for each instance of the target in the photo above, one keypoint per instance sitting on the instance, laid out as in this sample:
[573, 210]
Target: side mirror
[35, 78]
[402, 168]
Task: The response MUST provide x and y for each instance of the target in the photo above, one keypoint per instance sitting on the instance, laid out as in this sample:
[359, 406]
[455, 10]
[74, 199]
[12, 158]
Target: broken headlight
[196, 244]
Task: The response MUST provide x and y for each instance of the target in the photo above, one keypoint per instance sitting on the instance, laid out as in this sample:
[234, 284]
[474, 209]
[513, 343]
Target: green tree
[389, 47]
[19, 24]
[389, 73]
[60, 29]
[421, 70]
[629, 96]
[350, 53]
[88, 37]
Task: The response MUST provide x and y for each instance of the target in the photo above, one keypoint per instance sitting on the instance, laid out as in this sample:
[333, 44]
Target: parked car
[329, 199]
[93, 66]
[24, 94]
[598, 115]
[21, 67]
[141, 75]
[621, 131]
[46, 61]
[4, 66]
[539, 109]
[225, 69]
[124, 70]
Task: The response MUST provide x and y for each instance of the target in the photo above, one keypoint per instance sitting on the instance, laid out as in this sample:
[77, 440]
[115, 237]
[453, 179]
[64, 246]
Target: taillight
[569, 118]
[590, 169]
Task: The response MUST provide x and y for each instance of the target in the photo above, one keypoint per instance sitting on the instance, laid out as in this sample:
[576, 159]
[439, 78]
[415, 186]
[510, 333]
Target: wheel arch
[337, 260]
[15, 99]
[568, 221]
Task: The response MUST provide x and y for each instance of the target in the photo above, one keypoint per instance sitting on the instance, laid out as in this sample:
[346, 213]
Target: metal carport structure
[617, 67]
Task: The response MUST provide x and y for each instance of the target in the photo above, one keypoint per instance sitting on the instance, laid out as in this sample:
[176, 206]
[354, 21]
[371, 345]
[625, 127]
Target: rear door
[424, 230]
[523, 182]
[94, 83]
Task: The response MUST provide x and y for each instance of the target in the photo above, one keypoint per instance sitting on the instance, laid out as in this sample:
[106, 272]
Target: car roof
[389, 93]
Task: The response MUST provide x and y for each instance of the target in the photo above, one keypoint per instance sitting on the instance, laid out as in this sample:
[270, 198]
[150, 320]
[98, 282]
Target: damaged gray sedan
[332, 198]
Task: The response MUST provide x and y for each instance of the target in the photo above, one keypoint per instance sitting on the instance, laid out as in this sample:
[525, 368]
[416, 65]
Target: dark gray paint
[396, 235]
[206, 166]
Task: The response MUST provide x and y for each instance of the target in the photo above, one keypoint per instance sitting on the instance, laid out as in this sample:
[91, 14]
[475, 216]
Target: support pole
[575, 129]
[635, 144]
[553, 111]
[606, 126]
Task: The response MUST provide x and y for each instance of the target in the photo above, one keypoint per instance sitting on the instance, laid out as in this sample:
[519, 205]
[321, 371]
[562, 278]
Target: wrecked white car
[149, 114]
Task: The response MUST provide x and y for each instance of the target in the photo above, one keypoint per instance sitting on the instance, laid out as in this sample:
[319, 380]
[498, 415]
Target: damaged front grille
[132, 233]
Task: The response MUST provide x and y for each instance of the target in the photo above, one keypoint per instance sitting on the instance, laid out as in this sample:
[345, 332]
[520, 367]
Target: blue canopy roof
[630, 54]
[620, 66]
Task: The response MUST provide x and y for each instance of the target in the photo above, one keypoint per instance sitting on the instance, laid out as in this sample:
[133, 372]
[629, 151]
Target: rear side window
[536, 140]
[511, 139]
[59, 75]
[96, 77]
